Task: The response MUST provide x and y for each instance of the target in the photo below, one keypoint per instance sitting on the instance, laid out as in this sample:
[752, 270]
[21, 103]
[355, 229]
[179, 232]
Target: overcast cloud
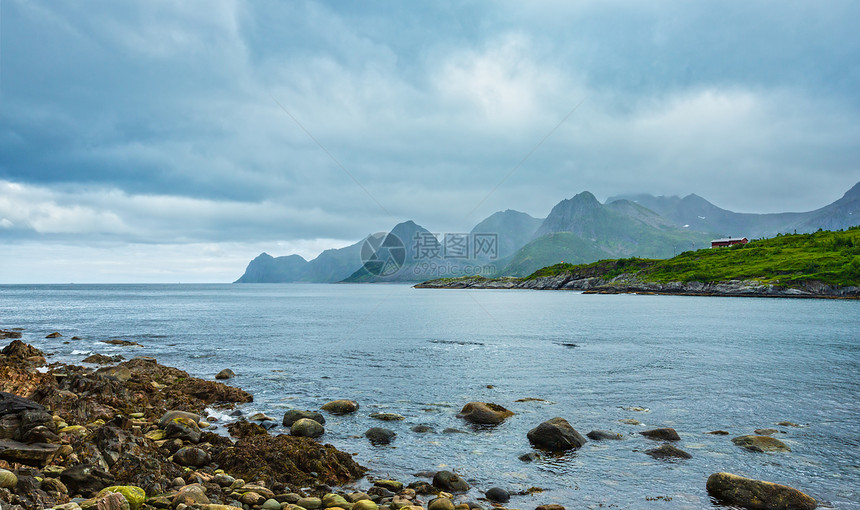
[146, 141]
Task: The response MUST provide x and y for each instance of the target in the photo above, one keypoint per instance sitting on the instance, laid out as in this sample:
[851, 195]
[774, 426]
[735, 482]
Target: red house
[729, 241]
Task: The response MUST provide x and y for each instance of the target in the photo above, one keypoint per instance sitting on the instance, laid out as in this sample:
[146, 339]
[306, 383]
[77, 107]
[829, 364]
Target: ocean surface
[693, 363]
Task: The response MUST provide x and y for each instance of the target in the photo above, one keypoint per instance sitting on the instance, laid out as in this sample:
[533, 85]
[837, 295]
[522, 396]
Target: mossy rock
[761, 444]
[134, 495]
[8, 480]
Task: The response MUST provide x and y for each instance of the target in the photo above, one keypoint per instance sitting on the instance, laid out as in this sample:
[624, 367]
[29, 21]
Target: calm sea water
[697, 364]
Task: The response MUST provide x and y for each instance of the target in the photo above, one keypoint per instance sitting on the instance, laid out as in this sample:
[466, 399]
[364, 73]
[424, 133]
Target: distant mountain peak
[853, 193]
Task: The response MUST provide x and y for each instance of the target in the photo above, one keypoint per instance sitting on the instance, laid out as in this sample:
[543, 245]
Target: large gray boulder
[556, 435]
[752, 494]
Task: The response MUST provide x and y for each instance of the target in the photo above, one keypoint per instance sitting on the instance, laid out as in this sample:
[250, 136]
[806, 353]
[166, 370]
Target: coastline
[630, 284]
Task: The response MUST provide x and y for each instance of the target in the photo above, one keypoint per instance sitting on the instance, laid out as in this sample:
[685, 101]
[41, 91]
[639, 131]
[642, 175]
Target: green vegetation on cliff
[828, 257]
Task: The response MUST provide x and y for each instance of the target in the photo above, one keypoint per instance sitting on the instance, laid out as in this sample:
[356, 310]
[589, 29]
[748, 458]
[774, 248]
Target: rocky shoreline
[630, 284]
[139, 435]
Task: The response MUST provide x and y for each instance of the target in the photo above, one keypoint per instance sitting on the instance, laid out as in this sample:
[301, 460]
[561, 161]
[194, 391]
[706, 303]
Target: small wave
[80, 353]
[455, 342]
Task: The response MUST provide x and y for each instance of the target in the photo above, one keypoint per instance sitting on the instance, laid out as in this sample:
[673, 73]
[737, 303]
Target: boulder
[183, 428]
[134, 495]
[392, 485]
[440, 504]
[600, 435]
[55, 334]
[225, 374]
[170, 415]
[294, 415]
[119, 373]
[271, 504]
[498, 495]
[306, 427]
[193, 494]
[192, 456]
[752, 494]
[761, 444]
[109, 501]
[339, 407]
[484, 413]
[9, 334]
[365, 504]
[8, 480]
[86, 479]
[310, 503]
[34, 454]
[663, 434]
[550, 507]
[379, 435]
[422, 429]
[334, 500]
[101, 359]
[450, 482]
[667, 451]
[555, 435]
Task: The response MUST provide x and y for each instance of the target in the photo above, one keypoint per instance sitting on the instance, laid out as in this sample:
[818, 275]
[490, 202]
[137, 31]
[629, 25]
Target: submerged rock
[667, 451]
[484, 413]
[387, 416]
[600, 435]
[556, 435]
[756, 494]
[761, 444]
[766, 432]
[379, 435]
[339, 407]
[225, 374]
[663, 434]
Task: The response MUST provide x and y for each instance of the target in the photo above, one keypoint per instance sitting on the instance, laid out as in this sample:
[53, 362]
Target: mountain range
[577, 230]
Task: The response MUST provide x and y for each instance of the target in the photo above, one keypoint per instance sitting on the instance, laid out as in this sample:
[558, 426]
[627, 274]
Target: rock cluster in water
[133, 436]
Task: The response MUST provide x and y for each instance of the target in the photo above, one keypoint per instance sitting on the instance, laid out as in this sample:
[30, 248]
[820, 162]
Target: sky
[164, 141]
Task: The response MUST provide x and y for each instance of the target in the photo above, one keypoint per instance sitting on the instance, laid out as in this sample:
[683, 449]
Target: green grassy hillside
[828, 257]
[552, 248]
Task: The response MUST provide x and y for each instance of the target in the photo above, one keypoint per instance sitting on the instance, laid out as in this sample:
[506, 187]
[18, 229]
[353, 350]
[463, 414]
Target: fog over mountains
[577, 230]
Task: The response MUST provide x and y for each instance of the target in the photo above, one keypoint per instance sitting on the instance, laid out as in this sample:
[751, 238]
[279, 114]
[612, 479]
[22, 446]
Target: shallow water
[695, 363]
